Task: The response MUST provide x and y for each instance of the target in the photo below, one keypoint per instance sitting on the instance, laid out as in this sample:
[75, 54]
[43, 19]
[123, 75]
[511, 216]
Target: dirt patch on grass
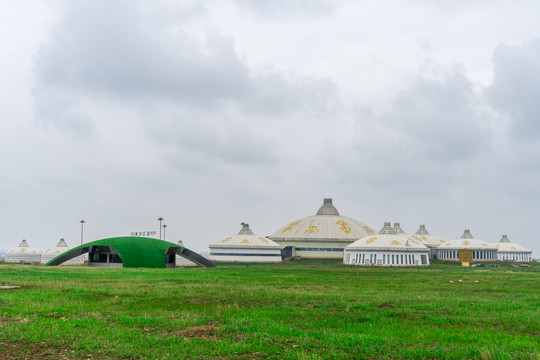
[206, 332]
[13, 350]
[386, 306]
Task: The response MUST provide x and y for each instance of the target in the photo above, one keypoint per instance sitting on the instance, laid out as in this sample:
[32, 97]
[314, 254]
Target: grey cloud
[516, 85]
[422, 143]
[289, 8]
[119, 50]
[121, 53]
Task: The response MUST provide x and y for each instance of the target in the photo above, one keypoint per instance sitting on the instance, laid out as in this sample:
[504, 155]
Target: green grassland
[300, 309]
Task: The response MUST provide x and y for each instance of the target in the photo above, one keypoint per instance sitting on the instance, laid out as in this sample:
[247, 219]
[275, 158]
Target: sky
[212, 113]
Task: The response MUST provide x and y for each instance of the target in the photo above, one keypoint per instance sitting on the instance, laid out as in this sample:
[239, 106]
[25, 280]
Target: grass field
[296, 310]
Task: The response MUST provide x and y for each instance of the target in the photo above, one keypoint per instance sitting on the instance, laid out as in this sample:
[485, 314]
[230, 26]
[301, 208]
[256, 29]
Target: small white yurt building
[431, 241]
[245, 247]
[182, 261]
[387, 249]
[323, 235]
[481, 250]
[59, 249]
[509, 251]
[23, 254]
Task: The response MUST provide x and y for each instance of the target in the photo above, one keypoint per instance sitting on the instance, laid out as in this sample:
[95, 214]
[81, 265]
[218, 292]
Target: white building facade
[323, 235]
[509, 251]
[23, 254]
[481, 250]
[387, 249]
[59, 249]
[245, 247]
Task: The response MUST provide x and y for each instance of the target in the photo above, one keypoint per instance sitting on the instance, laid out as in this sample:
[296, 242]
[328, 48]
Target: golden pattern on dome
[441, 241]
[414, 241]
[263, 240]
[395, 242]
[290, 226]
[497, 246]
[513, 248]
[368, 229]
[466, 242]
[245, 241]
[343, 226]
[225, 240]
[370, 240]
[312, 229]
[23, 250]
[57, 252]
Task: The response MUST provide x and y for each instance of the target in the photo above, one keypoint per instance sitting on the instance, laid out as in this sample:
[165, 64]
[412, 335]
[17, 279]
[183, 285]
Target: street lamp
[82, 228]
[164, 228]
[160, 220]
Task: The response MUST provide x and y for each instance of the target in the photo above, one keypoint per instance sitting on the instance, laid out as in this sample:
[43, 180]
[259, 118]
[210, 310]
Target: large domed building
[431, 241]
[23, 254]
[323, 235]
[481, 250]
[60, 248]
[509, 251]
[245, 247]
[387, 249]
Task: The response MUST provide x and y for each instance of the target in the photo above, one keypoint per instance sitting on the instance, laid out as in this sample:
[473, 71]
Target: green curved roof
[134, 251]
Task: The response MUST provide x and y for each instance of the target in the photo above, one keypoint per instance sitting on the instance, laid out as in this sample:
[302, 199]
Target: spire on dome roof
[245, 230]
[23, 243]
[327, 208]
[387, 229]
[504, 239]
[61, 243]
[467, 234]
[398, 229]
[422, 230]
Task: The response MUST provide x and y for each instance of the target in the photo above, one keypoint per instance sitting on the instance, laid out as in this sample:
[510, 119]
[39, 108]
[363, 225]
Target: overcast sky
[210, 113]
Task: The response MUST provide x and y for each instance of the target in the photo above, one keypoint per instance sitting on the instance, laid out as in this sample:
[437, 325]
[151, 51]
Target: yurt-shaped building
[509, 251]
[23, 254]
[387, 249]
[60, 248]
[245, 247]
[323, 235]
[431, 241]
[481, 250]
[182, 261]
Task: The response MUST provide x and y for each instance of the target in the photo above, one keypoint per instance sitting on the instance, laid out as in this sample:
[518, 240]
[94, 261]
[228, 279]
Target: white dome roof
[387, 239]
[60, 248]
[23, 253]
[467, 241]
[326, 224]
[428, 239]
[245, 239]
[504, 245]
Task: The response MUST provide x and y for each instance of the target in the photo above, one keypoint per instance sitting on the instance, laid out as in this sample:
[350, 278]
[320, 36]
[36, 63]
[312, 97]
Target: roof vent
[387, 229]
[245, 230]
[327, 208]
[467, 234]
[422, 230]
[398, 229]
[23, 244]
[61, 243]
[181, 243]
[504, 239]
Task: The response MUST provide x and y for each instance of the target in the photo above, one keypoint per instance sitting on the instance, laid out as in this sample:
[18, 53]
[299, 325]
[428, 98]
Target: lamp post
[160, 220]
[82, 229]
[164, 228]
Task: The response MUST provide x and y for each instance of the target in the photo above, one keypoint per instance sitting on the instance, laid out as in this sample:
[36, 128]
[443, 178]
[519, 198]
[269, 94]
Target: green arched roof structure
[135, 252]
